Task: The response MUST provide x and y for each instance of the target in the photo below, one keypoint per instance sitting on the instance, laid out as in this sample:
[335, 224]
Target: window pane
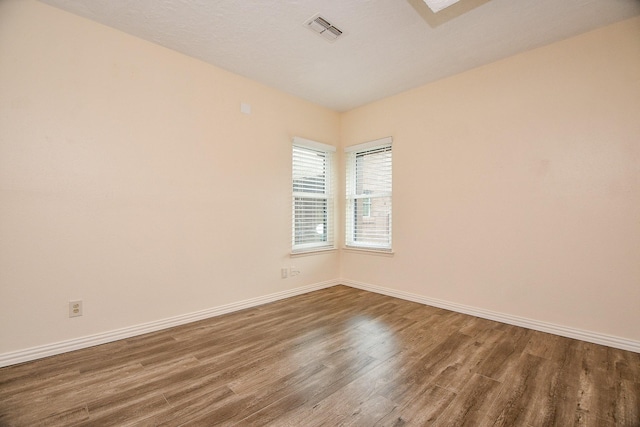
[309, 171]
[373, 171]
[310, 220]
[374, 228]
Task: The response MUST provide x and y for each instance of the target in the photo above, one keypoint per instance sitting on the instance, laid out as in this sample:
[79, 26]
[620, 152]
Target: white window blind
[313, 195]
[369, 194]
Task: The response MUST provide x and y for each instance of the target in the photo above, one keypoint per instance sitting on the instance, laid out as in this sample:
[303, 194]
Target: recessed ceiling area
[387, 46]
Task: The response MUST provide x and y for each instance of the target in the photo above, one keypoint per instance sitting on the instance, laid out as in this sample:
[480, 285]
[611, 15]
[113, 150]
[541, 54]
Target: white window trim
[369, 145]
[368, 251]
[307, 143]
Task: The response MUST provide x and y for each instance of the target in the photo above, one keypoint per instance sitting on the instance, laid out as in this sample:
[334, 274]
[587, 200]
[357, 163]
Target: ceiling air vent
[323, 28]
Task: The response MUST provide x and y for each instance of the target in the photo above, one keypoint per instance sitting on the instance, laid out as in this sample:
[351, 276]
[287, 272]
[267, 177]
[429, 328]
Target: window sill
[308, 252]
[378, 252]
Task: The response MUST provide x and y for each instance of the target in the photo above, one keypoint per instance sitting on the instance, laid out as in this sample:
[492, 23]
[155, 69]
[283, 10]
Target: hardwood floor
[338, 356]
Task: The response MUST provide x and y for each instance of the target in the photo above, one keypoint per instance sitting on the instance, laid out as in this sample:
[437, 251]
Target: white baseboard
[39, 352]
[565, 331]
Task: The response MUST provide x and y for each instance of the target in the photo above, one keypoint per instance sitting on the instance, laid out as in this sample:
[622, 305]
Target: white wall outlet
[293, 271]
[284, 273]
[75, 308]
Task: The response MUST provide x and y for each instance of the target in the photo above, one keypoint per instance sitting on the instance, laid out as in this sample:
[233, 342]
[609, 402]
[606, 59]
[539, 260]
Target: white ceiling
[389, 46]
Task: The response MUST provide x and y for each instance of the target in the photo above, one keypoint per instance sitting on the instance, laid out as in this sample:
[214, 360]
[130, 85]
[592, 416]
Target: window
[313, 202]
[368, 216]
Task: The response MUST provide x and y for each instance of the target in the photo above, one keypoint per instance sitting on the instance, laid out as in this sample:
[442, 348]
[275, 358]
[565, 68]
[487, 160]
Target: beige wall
[130, 179]
[125, 182]
[517, 185]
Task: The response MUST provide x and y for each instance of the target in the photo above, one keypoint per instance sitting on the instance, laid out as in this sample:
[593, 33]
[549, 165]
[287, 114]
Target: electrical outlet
[284, 273]
[75, 308]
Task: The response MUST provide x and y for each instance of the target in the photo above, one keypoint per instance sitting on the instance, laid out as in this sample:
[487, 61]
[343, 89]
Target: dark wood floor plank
[559, 404]
[190, 404]
[423, 368]
[364, 413]
[70, 417]
[46, 400]
[626, 364]
[314, 391]
[522, 399]
[354, 404]
[626, 404]
[463, 363]
[541, 344]
[338, 356]
[424, 407]
[505, 354]
[63, 418]
[475, 326]
[132, 413]
[29, 387]
[234, 405]
[469, 407]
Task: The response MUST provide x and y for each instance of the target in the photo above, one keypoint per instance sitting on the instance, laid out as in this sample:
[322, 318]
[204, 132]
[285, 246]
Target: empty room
[320, 212]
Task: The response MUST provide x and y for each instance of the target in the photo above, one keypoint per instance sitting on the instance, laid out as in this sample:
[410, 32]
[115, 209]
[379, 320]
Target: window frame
[309, 147]
[353, 196]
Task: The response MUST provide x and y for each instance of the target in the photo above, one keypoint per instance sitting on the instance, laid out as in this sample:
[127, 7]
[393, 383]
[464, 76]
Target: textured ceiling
[389, 46]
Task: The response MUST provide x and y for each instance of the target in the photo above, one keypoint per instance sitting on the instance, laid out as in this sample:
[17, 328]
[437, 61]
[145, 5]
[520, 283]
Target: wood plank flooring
[339, 356]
